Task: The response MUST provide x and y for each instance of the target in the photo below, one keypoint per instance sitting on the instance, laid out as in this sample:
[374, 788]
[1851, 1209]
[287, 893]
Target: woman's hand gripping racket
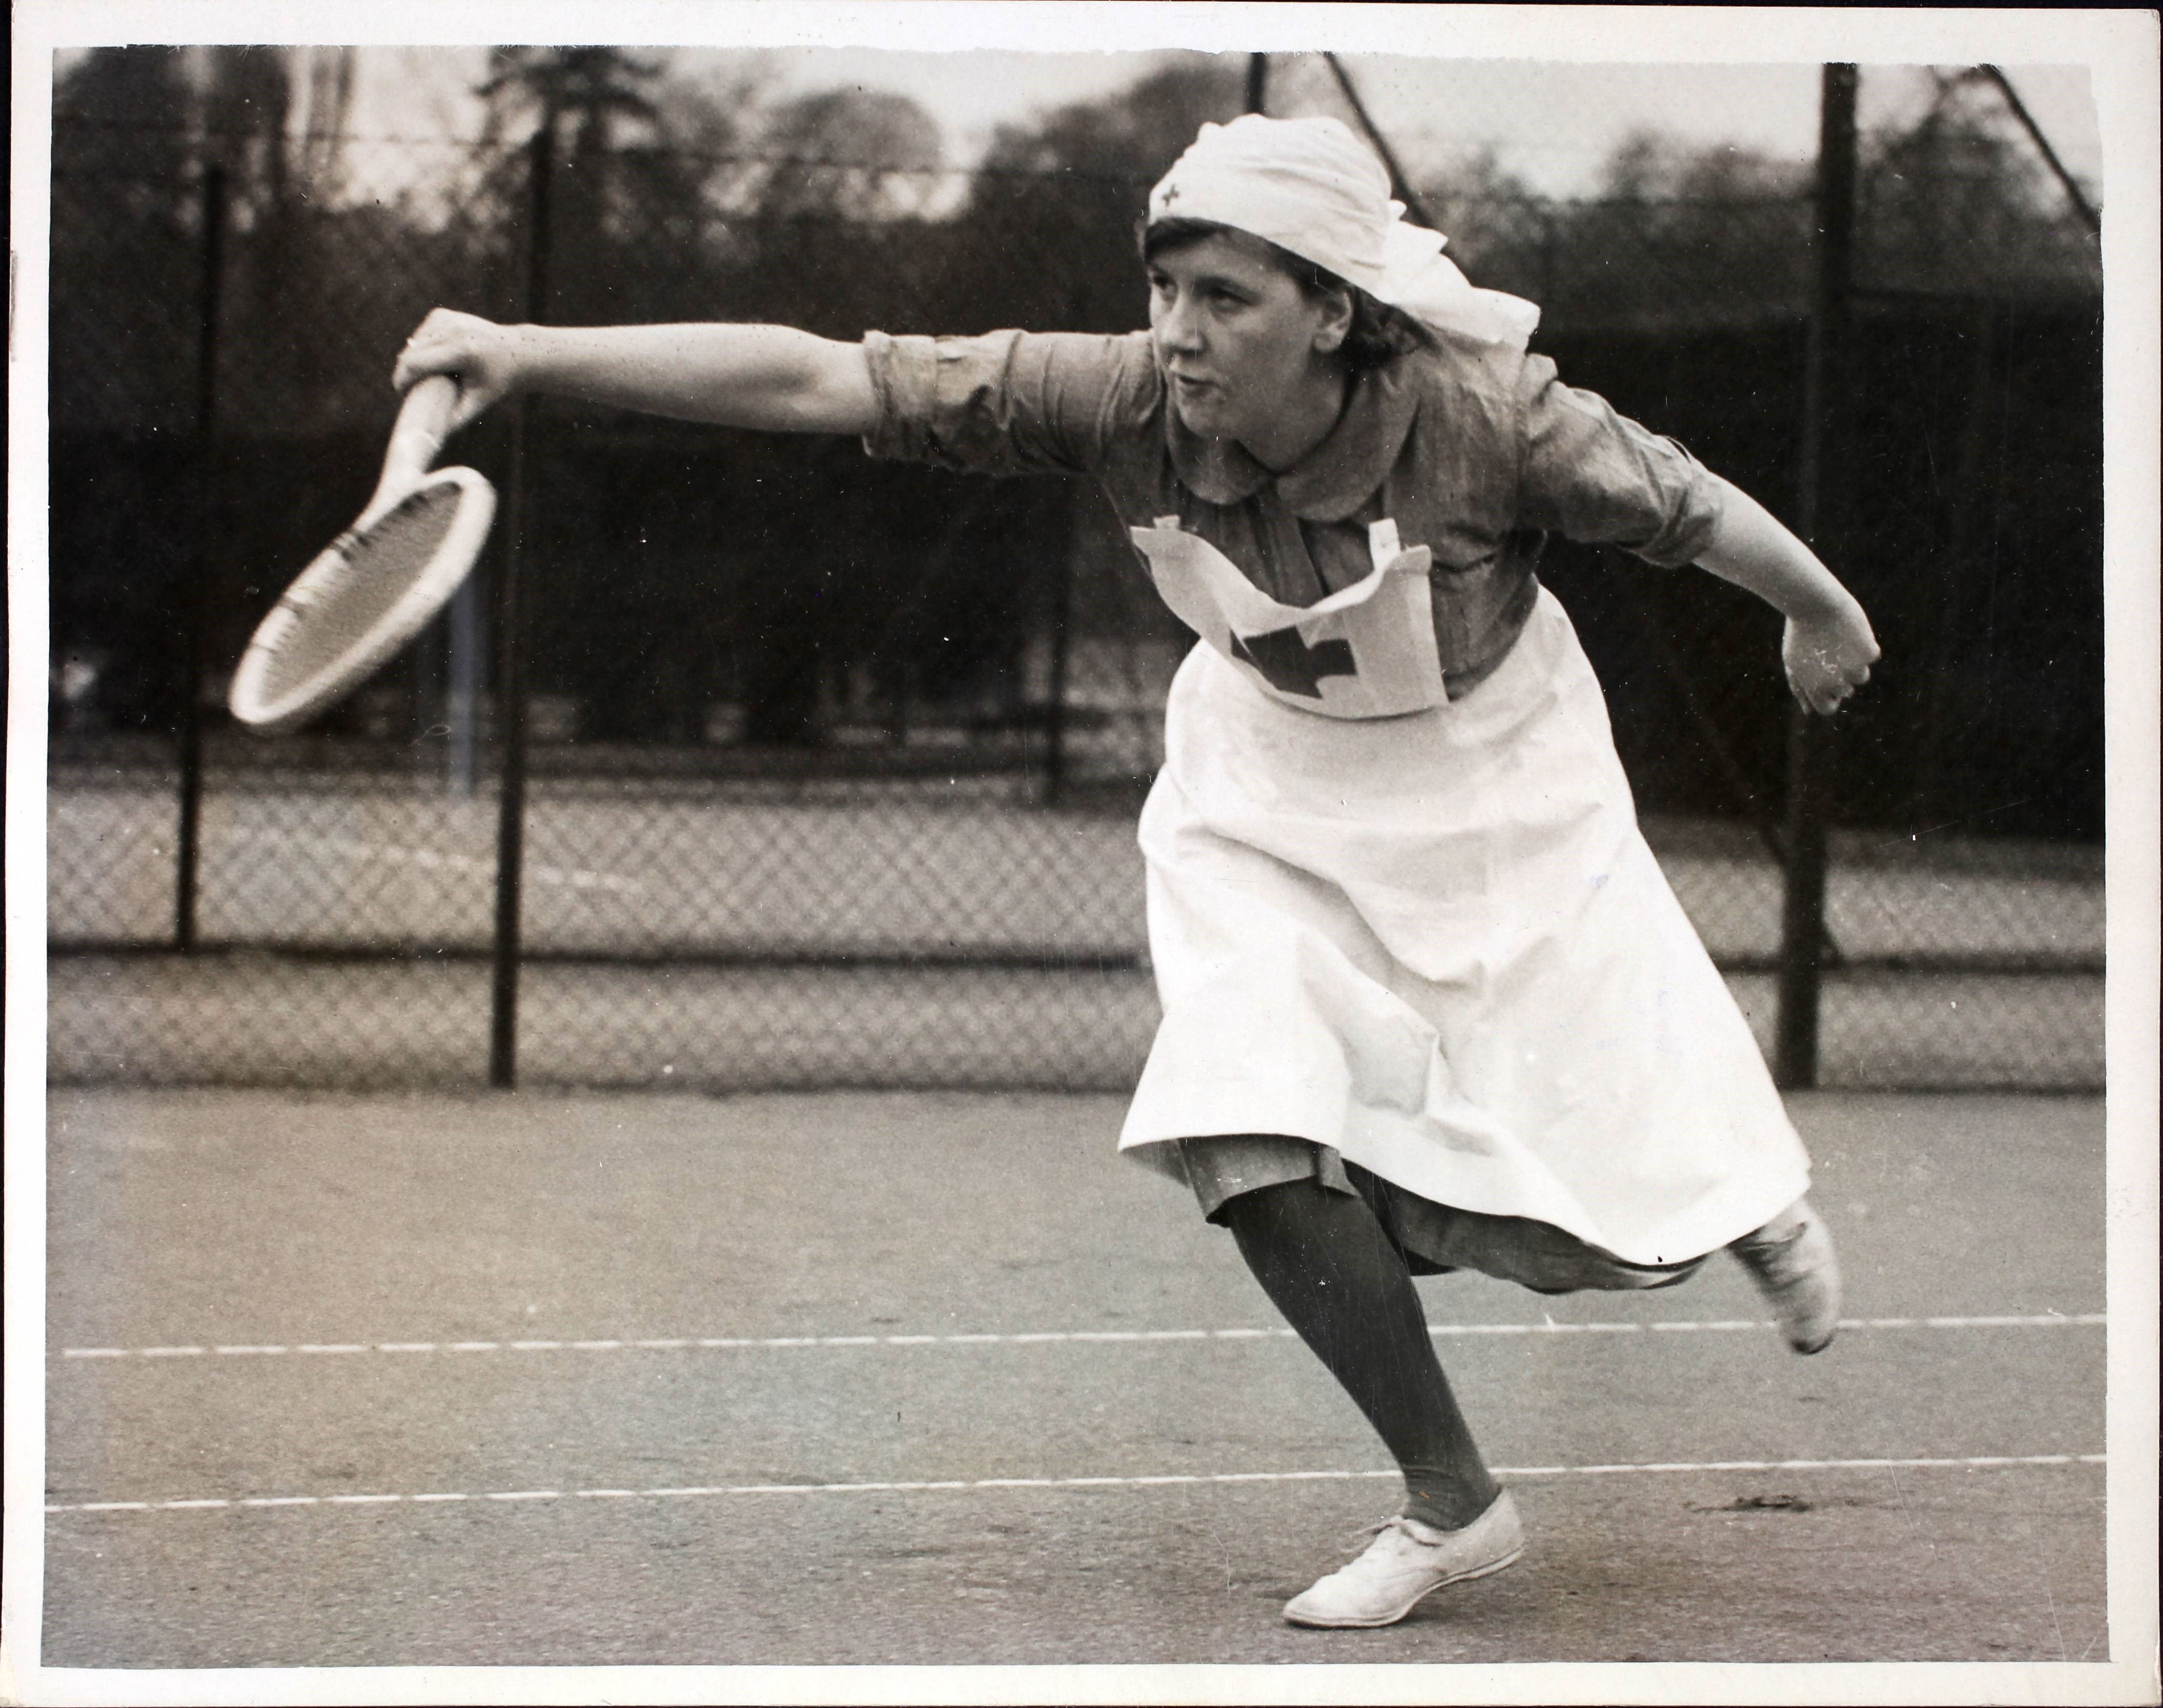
[376, 585]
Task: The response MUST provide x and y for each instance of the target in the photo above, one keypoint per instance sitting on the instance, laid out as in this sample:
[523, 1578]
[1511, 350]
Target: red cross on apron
[1367, 650]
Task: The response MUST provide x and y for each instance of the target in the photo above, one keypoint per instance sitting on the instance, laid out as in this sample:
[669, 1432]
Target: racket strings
[381, 565]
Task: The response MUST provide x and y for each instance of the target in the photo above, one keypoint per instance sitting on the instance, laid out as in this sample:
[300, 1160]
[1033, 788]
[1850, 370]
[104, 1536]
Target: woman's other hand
[1828, 648]
[1828, 655]
[482, 356]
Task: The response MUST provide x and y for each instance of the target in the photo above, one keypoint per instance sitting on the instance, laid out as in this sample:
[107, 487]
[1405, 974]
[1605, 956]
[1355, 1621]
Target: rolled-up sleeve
[1592, 474]
[1006, 403]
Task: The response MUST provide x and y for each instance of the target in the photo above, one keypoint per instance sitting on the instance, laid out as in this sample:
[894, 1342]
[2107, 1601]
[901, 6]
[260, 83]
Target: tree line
[686, 565]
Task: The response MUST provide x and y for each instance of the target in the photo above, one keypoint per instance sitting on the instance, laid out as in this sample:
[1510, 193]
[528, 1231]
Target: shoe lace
[1361, 1540]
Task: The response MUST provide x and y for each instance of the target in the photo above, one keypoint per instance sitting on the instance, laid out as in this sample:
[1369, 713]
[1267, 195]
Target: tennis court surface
[343, 1380]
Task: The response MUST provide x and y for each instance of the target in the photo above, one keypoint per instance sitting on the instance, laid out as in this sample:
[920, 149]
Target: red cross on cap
[1170, 194]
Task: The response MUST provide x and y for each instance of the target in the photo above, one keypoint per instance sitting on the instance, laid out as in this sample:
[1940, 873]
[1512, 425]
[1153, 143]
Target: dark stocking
[1327, 1264]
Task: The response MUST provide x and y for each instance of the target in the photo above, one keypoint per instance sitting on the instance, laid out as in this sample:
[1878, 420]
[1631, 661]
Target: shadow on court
[344, 1380]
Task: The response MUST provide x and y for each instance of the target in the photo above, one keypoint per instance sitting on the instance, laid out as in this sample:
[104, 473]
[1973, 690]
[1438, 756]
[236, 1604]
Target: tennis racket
[374, 587]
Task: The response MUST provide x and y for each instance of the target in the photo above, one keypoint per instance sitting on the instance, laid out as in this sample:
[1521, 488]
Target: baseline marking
[1988, 1462]
[1078, 1336]
[433, 860]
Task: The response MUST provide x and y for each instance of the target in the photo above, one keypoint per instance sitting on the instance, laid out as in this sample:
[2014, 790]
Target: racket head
[364, 596]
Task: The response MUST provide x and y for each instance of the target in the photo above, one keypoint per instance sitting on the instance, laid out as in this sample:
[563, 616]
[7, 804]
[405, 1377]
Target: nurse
[1428, 1003]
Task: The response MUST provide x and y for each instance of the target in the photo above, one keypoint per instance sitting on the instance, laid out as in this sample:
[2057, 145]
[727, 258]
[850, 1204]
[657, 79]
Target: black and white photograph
[1081, 852]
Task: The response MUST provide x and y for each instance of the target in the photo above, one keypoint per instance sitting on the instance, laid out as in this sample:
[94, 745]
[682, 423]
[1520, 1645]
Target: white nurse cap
[1310, 186]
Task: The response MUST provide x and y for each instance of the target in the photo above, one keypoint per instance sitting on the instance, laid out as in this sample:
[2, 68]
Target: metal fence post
[1824, 416]
[463, 666]
[511, 664]
[187, 841]
[1400, 186]
[1062, 641]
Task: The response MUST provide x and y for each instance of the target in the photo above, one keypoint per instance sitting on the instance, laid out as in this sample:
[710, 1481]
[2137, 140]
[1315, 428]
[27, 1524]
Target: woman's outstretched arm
[773, 378]
[1828, 648]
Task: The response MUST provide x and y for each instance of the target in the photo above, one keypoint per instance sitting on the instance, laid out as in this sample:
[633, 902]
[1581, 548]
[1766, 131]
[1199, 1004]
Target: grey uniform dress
[1407, 935]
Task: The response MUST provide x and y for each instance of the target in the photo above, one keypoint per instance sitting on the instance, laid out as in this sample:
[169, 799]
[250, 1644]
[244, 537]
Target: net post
[1825, 417]
[511, 661]
[187, 840]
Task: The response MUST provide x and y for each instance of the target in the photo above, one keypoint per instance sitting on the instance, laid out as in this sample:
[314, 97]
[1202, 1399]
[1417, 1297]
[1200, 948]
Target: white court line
[1987, 1462]
[428, 860]
[2052, 1319]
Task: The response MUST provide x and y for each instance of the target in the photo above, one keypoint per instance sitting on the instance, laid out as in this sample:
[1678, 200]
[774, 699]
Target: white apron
[1438, 941]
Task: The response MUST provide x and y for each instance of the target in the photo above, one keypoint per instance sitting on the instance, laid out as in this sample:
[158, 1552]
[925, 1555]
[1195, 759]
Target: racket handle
[415, 440]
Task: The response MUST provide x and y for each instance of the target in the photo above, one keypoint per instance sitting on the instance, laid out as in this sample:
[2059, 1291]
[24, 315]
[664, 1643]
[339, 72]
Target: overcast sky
[1549, 90]
[1551, 123]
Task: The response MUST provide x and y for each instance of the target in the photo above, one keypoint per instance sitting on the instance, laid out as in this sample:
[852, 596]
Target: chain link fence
[830, 767]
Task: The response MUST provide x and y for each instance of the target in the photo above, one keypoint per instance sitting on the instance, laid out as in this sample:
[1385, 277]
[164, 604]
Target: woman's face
[1245, 351]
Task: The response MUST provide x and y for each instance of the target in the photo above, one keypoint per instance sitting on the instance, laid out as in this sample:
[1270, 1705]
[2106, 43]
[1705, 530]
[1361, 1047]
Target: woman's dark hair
[1378, 334]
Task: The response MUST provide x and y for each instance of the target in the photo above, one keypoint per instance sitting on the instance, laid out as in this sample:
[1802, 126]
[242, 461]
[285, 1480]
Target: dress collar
[1331, 481]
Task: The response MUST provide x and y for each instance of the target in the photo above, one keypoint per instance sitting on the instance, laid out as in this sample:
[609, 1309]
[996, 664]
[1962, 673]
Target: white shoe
[1406, 1560]
[1792, 1260]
